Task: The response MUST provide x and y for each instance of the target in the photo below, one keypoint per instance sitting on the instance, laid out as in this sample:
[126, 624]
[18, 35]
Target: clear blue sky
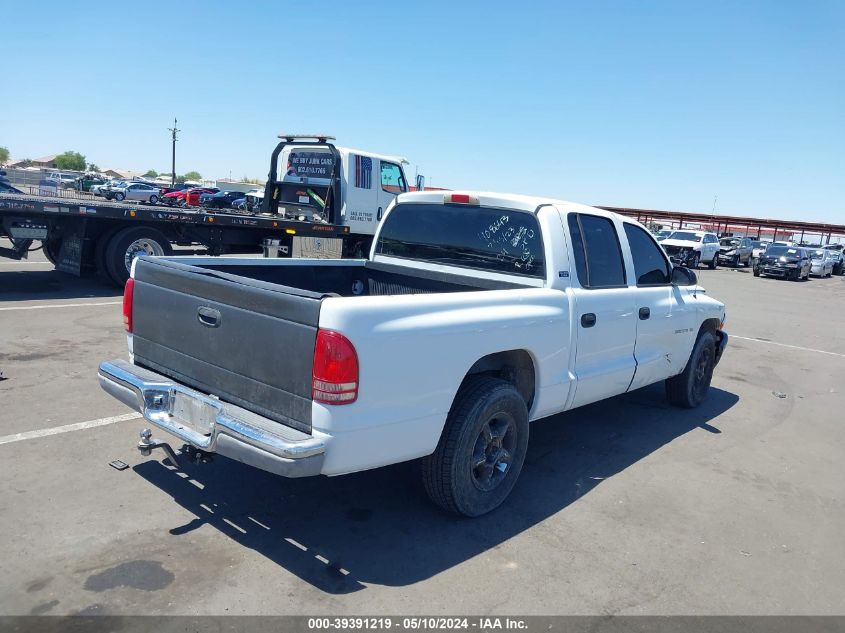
[642, 104]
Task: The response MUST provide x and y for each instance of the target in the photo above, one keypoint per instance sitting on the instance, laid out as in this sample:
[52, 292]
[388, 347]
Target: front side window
[650, 266]
[483, 238]
[392, 179]
[598, 256]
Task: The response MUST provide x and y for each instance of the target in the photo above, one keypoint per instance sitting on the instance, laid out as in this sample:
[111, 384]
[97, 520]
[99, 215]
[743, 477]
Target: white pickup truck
[475, 314]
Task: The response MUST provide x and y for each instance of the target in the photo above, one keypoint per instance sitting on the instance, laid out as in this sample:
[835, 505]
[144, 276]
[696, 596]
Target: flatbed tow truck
[83, 234]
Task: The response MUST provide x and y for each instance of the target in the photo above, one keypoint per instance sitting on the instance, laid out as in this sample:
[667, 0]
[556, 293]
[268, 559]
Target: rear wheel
[482, 448]
[129, 243]
[713, 262]
[153, 199]
[689, 388]
[51, 250]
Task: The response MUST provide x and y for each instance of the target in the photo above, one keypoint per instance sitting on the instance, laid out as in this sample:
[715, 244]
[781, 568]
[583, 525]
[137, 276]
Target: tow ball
[192, 454]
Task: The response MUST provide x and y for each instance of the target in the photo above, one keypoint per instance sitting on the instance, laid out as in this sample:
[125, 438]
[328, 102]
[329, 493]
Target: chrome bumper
[211, 425]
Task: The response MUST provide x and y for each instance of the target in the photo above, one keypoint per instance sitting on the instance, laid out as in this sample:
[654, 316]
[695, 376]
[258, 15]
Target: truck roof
[506, 200]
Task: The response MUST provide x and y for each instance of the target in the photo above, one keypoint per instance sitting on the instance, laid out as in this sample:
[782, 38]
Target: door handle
[588, 319]
[209, 317]
[644, 313]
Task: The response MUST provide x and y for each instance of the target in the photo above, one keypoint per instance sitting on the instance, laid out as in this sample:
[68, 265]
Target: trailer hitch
[192, 454]
[148, 443]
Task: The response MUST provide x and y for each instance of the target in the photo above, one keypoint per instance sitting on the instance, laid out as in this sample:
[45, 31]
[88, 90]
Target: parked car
[88, 183]
[179, 186]
[8, 187]
[736, 251]
[786, 262]
[691, 248]
[175, 198]
[662, 234]
[304, 367]
[106, 189]
[221, 199]
[821, 262]
[839, 258]
[192, 196]
[758, 248]
[62, 180]
[139, 191]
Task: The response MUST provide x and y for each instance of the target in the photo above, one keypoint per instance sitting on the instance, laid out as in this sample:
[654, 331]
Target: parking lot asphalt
[629, 506]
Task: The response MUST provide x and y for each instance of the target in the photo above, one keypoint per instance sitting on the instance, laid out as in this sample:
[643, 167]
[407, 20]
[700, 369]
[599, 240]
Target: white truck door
[605, 318]
[362, 189]
[392, 183]
[663, 317]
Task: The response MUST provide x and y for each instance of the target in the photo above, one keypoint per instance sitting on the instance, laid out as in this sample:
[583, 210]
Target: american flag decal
[363, 172]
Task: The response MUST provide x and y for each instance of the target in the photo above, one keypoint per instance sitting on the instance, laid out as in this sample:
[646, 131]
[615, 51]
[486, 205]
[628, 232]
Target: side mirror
[683, 277]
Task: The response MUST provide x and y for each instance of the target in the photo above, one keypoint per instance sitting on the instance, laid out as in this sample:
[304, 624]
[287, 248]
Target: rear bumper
[211, 425]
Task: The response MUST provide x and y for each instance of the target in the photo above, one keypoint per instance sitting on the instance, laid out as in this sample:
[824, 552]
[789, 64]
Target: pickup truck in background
[475, 314]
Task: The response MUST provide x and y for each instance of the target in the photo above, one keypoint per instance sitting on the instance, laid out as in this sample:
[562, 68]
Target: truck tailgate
[243, 341]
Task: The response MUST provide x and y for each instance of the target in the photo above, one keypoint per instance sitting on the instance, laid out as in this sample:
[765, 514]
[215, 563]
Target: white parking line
[62, 305]
[19, 263]
[67, 428]
[804, 349]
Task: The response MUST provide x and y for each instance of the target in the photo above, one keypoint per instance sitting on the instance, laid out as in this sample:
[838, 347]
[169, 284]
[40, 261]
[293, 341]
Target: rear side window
[598, 256]
[650, 265]
[484, 238]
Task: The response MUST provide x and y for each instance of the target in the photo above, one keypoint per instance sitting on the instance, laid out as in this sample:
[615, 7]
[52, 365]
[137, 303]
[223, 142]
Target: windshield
[471, 236]
[685, 235]
[817, 254]
[729, 242]
[776, 251]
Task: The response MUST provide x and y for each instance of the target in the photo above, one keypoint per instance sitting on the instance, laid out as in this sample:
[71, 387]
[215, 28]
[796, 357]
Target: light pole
[173, 131]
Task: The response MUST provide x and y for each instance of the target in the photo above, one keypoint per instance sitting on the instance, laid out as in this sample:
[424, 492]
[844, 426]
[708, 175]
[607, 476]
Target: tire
[756, 271]
[696, 260]
[689, 388]
[486, 430]
[153, 199]
[713, 262]
[119, 197]
[51, 250]
[128, 243]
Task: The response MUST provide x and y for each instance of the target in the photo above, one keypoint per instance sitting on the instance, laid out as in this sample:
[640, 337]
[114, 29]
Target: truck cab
[312, 178]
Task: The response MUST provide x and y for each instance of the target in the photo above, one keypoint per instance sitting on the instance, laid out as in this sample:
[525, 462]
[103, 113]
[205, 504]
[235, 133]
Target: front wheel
[689, 388]
[153, 199]
[481, 450]
[119, 197]
[696, 260]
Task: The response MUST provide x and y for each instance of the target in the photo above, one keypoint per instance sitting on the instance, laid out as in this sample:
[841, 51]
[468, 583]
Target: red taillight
[335, 372]
[128, 295]
[460, 198]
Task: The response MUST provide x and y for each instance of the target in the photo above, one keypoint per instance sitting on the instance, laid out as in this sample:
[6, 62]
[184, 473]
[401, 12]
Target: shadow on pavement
[379, 527]
[37, 285]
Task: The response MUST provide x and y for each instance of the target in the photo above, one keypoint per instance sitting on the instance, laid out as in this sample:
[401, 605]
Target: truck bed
[256, 347]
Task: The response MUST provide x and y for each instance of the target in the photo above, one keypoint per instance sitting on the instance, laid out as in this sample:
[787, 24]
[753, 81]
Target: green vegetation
[71, 160]
[4, 155]
[151, 173]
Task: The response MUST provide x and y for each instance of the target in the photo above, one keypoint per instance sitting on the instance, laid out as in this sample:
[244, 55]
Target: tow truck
[320, 201]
